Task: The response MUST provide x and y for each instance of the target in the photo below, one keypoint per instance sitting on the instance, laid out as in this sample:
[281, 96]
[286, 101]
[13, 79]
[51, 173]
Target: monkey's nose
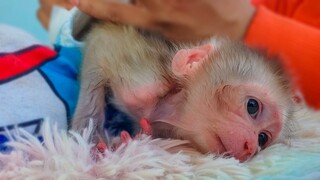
[249, 150]
[241, 144]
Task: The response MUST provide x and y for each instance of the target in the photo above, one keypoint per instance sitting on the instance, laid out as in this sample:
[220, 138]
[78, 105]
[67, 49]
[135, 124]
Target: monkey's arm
[295, 42]
[91, 101]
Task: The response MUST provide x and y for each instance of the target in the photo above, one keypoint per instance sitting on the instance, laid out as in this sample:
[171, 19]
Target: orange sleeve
[293, 35]
[306, 11]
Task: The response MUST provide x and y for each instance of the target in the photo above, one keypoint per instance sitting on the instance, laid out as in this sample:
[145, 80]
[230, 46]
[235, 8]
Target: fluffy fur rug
[69, 156]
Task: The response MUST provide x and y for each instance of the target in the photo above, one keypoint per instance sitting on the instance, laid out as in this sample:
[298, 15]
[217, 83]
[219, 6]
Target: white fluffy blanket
[68, 156]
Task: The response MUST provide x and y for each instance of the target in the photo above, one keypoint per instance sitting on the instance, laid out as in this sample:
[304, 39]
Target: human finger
[153, 4]
[116, 11]
[43, 18]
[45, 5]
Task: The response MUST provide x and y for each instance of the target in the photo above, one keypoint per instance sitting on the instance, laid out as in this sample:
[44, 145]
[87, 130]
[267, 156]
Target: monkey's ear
[186, 61]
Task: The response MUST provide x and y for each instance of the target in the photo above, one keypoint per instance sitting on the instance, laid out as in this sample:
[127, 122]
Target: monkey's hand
[125, 137]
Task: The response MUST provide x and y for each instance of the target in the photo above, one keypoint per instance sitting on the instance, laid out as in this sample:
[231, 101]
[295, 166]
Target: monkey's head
[232, 100]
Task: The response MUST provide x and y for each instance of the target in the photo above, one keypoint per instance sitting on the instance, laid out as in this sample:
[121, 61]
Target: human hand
[178, 20]
[45, 7]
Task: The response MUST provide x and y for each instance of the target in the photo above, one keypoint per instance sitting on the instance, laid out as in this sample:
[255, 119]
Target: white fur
[67, 156]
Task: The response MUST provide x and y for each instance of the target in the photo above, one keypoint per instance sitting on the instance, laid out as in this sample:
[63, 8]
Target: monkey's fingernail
[296, 99]
[145, 124]
[74, 2]
[102, 147]
[125, 137]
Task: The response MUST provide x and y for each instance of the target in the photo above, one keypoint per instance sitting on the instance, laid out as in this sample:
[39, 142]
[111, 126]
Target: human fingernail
[74, 2]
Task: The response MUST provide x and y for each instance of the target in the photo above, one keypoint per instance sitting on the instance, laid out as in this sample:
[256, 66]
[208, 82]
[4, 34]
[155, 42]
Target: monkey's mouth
[222, 149]
[214, 145]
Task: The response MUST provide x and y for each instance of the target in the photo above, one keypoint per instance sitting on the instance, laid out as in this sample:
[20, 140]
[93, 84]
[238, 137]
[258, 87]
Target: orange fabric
[291, 30]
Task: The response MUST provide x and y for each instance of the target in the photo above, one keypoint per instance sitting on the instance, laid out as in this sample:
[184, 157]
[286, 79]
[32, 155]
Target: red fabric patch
[22, 61]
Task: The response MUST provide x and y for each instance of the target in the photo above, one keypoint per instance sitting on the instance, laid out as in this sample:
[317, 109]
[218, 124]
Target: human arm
[291, 30]
[284, 27]
[177, 20]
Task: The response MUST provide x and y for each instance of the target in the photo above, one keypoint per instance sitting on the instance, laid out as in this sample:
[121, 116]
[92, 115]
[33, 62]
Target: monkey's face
[236, 102]
[239, 120]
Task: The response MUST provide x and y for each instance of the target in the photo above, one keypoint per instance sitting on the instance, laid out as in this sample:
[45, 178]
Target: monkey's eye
[263, 139]
[253, 107]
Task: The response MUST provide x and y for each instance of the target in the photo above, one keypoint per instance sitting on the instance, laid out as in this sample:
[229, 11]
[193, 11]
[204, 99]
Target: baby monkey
[223, 97]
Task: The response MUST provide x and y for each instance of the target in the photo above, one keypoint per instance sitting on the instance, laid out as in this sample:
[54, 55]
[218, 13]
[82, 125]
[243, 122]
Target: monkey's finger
[116, 11]
[146, 127]
[102, 147]
[125, 137]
